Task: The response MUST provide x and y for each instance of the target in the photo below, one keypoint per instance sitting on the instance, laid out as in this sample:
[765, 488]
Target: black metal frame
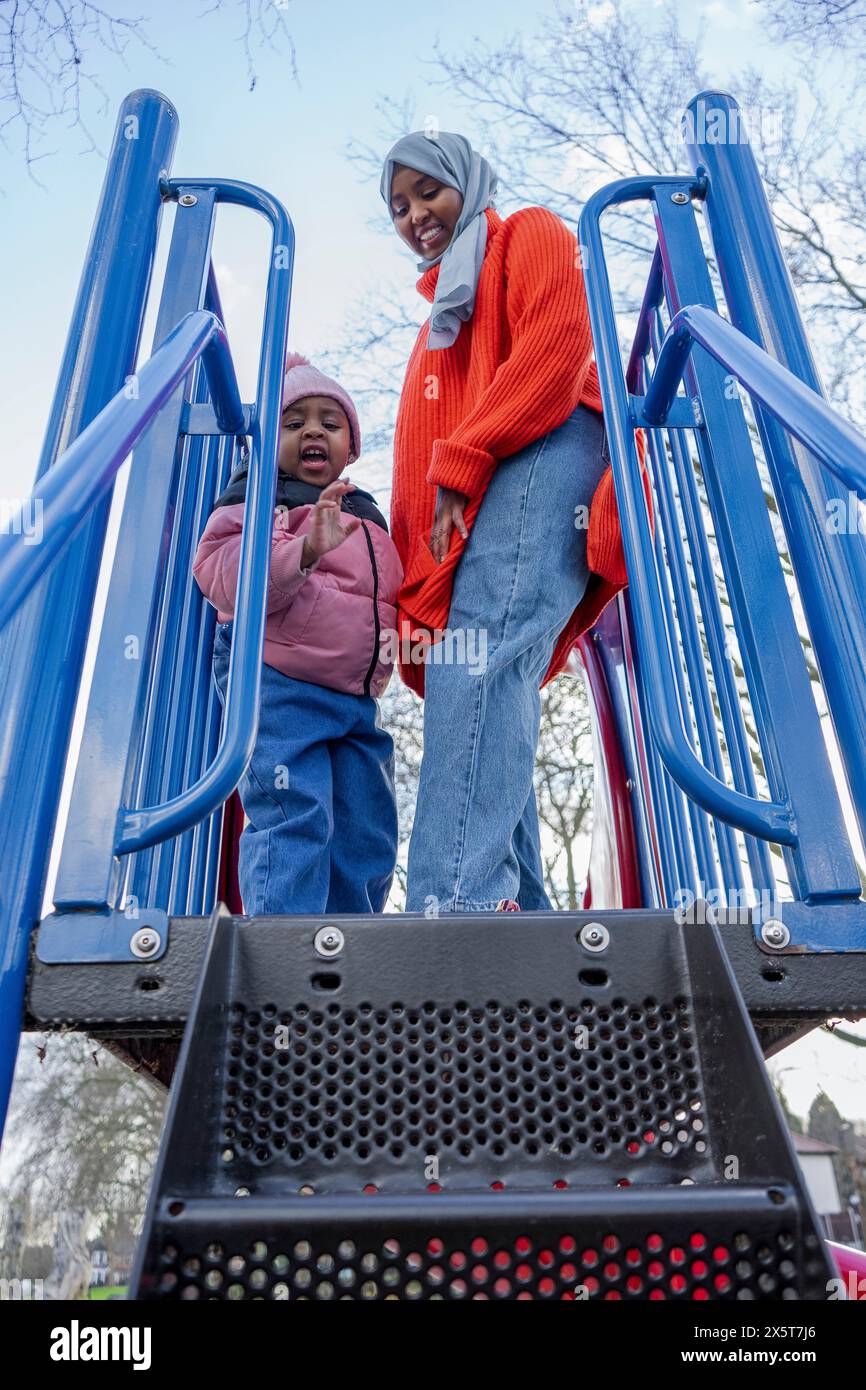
[145, 1005]
[617, 1096]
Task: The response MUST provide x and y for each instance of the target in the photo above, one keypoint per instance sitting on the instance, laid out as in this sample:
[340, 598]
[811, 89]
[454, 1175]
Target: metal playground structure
[531, 1106]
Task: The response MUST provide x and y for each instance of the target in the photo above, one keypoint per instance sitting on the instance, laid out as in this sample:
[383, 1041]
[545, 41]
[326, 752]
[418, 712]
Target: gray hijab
[452, 160]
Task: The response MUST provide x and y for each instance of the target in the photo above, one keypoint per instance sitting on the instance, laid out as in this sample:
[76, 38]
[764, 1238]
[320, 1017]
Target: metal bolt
[329, 941]
[144, 942]
[679, 197]
[774, 933]
[594, 936]
[187, 200]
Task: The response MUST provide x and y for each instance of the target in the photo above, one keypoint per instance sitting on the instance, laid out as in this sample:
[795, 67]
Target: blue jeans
[475, 838]
[319, 796]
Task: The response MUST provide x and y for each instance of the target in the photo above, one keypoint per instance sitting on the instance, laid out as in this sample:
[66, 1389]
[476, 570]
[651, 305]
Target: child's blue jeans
[475, 838]
[319, 796]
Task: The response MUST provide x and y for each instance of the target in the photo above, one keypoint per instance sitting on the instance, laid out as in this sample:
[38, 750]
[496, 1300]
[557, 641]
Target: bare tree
[401, 716]
[580, 104]
[86, 1132]
[48, 54]
[563, 782]
[577, 104]
[372, 361]
[563, 788]
[807, 23]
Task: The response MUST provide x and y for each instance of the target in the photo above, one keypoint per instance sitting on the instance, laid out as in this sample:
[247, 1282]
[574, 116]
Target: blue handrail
[829, 562]
[140, 828]
[796, 406]
[42, 649]
[105, 408]
[123, 729]
[803, 814]
[731, 714]
[769, 820]
[134, 718]
[68, 491]
[180, 716]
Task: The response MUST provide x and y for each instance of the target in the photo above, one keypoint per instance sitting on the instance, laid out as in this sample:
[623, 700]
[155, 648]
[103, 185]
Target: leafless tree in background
[86, 1132]
[576, 104]
[580, 104]
[563, 782]
[812, 25]
[49, 50]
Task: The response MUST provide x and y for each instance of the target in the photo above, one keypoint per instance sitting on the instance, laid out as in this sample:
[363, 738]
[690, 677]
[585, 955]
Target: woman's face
[424, 210]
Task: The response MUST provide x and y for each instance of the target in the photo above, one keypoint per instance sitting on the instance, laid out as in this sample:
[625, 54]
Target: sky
[291, 137]
[288, 136]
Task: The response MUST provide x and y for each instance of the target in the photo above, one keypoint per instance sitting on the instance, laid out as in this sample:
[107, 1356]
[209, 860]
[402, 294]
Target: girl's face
[424, 211]
[314, 440]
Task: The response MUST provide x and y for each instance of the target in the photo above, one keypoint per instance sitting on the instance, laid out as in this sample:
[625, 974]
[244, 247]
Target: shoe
[507, 905]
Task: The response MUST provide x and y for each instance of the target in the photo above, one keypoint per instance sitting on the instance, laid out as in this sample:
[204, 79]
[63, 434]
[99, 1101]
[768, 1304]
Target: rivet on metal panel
[594, 936]
[329, 941]
[144, 942]
[774, 933]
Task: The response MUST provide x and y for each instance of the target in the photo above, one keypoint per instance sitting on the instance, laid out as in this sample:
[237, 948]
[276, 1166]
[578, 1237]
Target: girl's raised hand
[326, 527]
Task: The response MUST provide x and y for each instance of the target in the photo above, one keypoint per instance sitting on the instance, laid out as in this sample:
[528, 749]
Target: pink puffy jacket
[326, 624]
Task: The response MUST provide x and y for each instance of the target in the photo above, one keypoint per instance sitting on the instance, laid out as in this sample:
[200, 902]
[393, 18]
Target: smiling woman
[499, 451]
[437, 190]
[440, 207]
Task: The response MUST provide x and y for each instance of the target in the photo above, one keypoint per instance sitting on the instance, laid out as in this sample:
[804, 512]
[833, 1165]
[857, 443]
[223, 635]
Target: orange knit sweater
[517, 369]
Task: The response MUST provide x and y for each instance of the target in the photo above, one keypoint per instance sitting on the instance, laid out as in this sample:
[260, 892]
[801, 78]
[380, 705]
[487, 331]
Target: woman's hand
[450, 506]
[326, 529]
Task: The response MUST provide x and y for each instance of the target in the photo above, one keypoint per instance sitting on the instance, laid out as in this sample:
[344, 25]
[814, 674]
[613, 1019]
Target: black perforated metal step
[474, 1107]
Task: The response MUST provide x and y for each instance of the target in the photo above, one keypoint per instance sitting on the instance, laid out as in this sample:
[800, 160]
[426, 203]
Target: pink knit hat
[303, 379]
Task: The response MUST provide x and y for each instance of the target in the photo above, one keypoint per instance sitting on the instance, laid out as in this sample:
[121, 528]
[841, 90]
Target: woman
[499, 453]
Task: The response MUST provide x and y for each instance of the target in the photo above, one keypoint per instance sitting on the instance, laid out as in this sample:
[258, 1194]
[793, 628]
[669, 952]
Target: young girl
[319, 791]
[499, 453]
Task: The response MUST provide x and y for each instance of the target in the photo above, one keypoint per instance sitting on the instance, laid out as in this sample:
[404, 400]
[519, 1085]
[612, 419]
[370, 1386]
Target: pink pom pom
[294, 359]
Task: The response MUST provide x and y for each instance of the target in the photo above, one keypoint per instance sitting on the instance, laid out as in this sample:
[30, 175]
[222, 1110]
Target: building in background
[841, 1220]
[98, 1264]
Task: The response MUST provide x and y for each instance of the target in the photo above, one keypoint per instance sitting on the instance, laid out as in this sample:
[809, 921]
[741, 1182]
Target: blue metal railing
[109, 825]
[770, 820]
[42, 648]
[153, 722]
[673, 600]
[181, 720]
[88, 468]
[140, 828]
[830, 565]
[804, 413]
